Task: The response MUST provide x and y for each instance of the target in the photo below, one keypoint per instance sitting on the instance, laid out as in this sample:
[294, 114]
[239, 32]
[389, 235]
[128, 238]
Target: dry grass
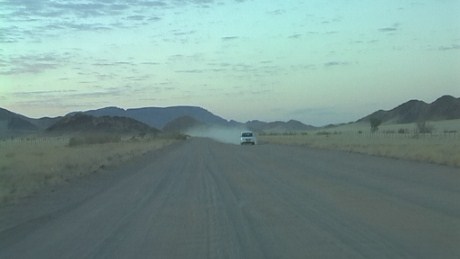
[441, 147]
[28, 165]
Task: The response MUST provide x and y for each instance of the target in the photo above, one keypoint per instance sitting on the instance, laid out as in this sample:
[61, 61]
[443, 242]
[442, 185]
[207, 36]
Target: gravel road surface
[204, 199]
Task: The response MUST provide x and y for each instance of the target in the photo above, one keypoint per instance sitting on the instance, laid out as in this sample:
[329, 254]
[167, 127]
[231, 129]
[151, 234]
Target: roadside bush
[375, 123]
[93, 139]
[424, 127]
[403, 131]
[323, 133]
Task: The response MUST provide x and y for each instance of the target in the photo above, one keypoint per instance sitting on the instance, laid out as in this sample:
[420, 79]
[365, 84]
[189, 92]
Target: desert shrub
[323, 133]
[375, 123]
[403, 131]
[75, 141]
[181, 137]
[93, 139]
[389, 132]
[424, 127]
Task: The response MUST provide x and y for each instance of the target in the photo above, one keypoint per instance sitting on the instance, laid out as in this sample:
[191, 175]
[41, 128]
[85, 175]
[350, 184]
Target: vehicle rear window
[246, 134]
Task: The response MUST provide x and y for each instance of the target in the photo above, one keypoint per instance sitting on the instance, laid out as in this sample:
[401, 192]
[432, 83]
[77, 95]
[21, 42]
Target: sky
[316, 61]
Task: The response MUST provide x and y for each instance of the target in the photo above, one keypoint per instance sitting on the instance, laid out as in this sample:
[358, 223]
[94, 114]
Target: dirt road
[204, 199]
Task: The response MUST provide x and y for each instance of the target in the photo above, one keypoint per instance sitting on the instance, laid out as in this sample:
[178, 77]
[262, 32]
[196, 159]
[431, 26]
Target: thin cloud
[271, 69]
[11, 34]
[154, 19]
[58, 103]
[246, 92]
[228, 38]
[152, 3]
[191, 71]
[116, 63]
[222, 64]
[136, 18]
[150, 63]
[295, 36]
[112, 92]
[32, 64]
[304, 67]
[393, 28]
[388, 29]
[26, 17]
[41, 93]
[335, 64]
[197, 57]
[77, 26]
[138, 78]
[451, 47]
[276, 12]
[97, 94]
[183, 33]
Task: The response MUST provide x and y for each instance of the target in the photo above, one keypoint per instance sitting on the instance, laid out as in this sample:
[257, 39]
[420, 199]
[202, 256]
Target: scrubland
[401, 141]
[29, 164]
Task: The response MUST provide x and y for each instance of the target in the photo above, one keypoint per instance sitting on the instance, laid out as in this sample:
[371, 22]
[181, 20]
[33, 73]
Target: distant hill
[444, 108]
[182, 124]
[6, 115]
[172, 119]
[18, 123]
[84, 123]
[13, 124]
[158, 117]
[45, 122]
[278, 126]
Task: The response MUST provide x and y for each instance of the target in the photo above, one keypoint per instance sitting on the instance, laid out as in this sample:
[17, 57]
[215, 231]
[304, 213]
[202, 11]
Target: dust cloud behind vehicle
[230, 135]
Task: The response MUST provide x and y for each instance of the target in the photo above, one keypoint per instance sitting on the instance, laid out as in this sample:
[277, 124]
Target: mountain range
[444, 108]
[158, 117]
[82, 123]
[149, 119]
[181, 118]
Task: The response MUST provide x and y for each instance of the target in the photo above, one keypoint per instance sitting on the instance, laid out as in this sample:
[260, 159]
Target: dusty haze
[221, 134]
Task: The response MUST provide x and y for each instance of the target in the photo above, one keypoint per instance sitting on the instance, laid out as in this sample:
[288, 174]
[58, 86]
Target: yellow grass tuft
[27, 165]
[396, 141]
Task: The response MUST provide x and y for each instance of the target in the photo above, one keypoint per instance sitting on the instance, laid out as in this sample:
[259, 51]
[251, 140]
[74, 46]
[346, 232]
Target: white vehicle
[248, 137]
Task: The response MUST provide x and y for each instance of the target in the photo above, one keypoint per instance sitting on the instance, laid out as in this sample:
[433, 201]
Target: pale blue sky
[315, 61]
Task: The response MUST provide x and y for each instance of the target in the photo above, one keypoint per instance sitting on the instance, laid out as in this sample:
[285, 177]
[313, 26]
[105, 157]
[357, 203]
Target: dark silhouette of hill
[6, 115]
[12, 124]
[45, 122]
[15, 121]
[278, 126]
[444, 108]
[18, 123]
[158, 117]
[174, 119]
[182, 124]
[84, 123]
